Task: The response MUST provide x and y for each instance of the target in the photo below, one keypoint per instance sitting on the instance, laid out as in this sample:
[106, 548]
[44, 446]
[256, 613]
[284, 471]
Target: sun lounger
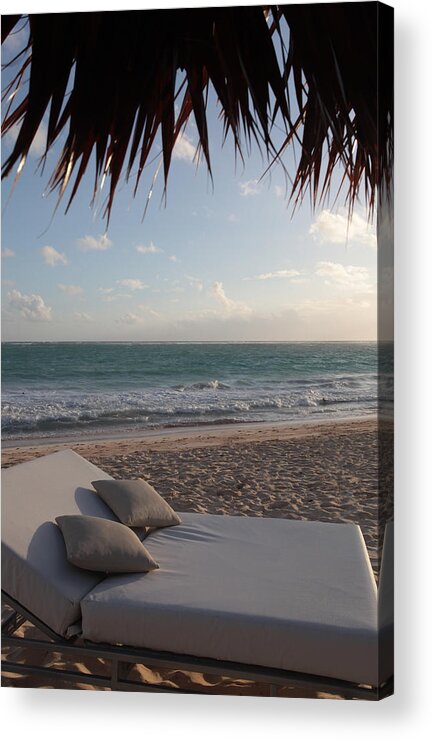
[280, 601]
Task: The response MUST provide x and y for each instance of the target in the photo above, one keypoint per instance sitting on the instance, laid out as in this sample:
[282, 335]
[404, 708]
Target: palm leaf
[308, 70]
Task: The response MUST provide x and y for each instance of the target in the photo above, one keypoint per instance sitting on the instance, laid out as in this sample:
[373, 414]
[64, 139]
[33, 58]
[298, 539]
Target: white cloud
[132, 284]
[110, 294]
[81, 316]
[52, 257]
[234, 325]
[149, 311]
[70, 289]
[8, 253]
[334, 228]
[38, 146]
[39, 143]
[277, 275]
[129, 318]
[31, 306]
[173, 258]
[94, 243]
[342, 317]
[279, 191]
[338, 305]
[184, 148]
[151, 249]
[230, 306]
[219, 293]
[344, 277]
[195, 282]
[114, 297]
[250, 187]
[299, 280]
[232, 218]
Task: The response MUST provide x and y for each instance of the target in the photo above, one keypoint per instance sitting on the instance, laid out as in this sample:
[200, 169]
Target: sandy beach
[323, 472]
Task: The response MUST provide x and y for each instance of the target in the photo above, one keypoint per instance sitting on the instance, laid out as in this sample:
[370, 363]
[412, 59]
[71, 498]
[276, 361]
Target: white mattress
[35, 570]
[287, 594]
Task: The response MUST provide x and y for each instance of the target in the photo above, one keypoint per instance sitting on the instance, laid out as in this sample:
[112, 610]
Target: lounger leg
[272, 689]
[124, 668]
[114, 673]
[119, 671]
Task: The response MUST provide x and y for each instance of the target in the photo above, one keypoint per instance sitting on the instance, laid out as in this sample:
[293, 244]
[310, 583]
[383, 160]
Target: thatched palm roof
[136, 73]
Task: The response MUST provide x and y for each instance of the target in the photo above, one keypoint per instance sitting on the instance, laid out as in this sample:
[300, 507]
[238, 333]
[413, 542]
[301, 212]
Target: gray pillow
[99, 544]
[136, 503]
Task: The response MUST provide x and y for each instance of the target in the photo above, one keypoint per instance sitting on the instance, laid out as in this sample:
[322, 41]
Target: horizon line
[194, 341]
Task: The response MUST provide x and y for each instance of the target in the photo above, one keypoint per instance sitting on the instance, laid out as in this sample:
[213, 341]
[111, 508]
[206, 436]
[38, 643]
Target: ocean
[82, 389]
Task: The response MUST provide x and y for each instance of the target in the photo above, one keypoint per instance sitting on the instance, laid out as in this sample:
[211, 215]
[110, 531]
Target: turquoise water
[50, 388]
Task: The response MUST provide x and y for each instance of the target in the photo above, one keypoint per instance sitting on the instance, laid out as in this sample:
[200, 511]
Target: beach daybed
[272, 600]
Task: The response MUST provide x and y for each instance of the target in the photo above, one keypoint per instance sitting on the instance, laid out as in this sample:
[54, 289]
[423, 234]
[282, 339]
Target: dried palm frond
[127, 70]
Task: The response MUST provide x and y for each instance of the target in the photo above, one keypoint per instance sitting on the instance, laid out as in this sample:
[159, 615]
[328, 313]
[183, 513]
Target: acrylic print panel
[217, 323]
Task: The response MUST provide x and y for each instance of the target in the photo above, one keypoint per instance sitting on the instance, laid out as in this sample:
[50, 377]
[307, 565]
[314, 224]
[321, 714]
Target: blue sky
[227, 262]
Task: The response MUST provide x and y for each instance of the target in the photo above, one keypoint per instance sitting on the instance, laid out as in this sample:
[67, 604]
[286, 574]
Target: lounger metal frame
[123, 658]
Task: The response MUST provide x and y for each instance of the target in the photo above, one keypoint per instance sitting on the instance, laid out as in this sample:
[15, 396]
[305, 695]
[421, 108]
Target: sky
[221, 261]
